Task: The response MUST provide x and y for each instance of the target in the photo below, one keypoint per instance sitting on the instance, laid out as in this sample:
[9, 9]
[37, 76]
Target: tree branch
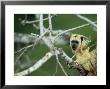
[87, 20]
[23, 38]
[56, 54]
[65, 56]
[50, 25]
[41, 24]
[20, 55]
[26, 47]
[36, 66]
[72, 29]
[34, 21]
[62, 67]
[50, 22]
[35, 39]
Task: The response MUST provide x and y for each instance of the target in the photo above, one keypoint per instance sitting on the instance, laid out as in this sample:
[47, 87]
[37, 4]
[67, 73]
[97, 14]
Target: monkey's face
[74, 44]
[78, 41]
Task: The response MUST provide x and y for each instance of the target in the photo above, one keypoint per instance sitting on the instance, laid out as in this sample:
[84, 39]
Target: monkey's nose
[74, 46]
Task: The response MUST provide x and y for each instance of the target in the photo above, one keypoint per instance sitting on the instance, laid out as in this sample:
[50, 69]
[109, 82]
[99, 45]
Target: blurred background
[32, 55]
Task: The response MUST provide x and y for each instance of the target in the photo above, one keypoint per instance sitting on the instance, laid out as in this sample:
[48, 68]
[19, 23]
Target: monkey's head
[78, 42]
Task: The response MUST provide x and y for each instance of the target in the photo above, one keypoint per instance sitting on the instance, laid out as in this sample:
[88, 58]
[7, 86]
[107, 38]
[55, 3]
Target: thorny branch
[54, 51]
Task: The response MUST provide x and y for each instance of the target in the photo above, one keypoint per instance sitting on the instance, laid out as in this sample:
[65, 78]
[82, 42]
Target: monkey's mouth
[74, 47]
[74, 44]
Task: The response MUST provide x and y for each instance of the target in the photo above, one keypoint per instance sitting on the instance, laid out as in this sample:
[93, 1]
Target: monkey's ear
[85, 39]
[82, 38]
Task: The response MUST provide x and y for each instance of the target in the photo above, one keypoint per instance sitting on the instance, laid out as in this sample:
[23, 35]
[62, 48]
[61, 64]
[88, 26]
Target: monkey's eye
[82, 38]
[75, 36]
[74, 41]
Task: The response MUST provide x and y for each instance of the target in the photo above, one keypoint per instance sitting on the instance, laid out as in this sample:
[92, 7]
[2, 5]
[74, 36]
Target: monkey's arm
[77, 66]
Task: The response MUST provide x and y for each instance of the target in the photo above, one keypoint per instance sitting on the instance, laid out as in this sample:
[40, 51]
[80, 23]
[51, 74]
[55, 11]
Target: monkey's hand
[82, 71]
[70, 65]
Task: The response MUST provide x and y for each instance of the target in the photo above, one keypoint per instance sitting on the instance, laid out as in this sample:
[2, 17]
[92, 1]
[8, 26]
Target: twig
[73, 56]
[50, 25]
[87, 20]
[36, 66]
[36, 42]
[26, 47]
[56, 68]
[60, 64]
[41, 24]
[50, 22]
[20, 55]
[38, 39]
[35, 26]
[72, 29]
[62, 67]
[35, 21]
